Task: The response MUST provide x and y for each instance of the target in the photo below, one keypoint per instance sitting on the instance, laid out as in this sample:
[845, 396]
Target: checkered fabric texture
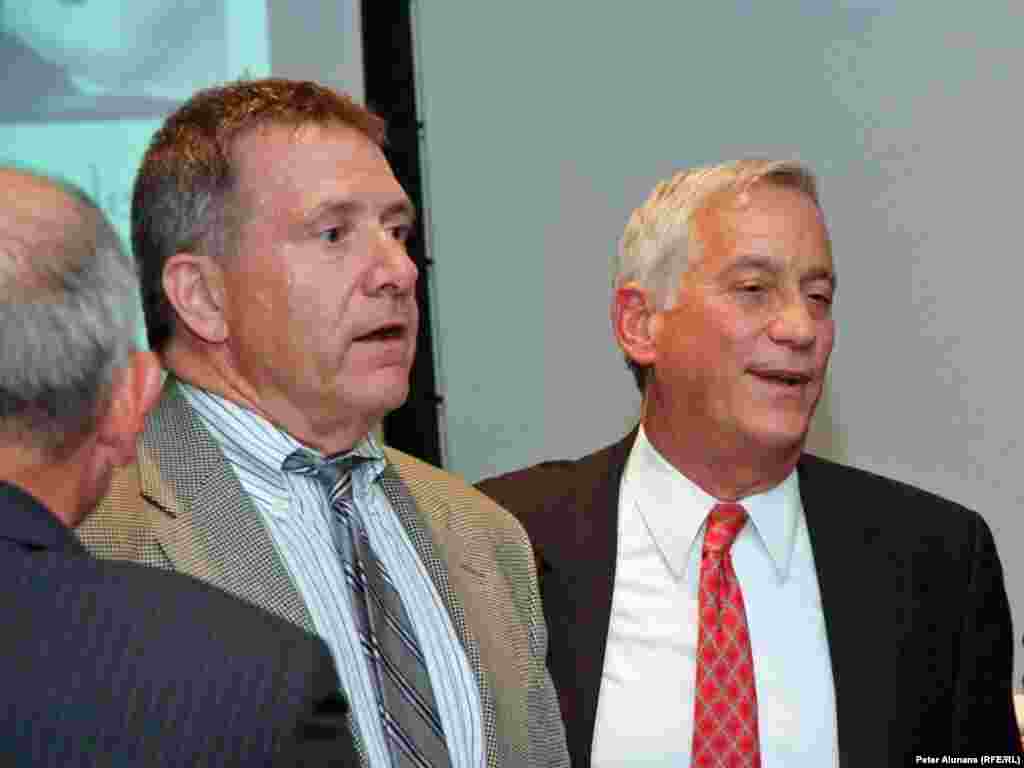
[181, 507]
[725, 704]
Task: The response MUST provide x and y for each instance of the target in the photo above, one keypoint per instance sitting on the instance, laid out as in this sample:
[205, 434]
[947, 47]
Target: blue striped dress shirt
[298, 516]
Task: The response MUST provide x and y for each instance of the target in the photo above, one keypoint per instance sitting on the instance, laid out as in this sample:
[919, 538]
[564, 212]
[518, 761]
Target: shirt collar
[674, 509]
[250, 440]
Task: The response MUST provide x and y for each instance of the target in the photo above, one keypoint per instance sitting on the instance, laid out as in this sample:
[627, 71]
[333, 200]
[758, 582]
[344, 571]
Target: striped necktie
[412, 725]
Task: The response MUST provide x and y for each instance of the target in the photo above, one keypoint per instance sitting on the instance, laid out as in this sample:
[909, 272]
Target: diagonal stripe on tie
[416, 733]
[412, 725]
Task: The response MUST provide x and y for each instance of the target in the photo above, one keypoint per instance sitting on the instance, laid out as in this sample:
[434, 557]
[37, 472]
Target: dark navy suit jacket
[116, 664]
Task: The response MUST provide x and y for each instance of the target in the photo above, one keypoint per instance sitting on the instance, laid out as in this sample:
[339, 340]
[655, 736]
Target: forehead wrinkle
[260, 174]
[253, 175]
[725, 209]
[756, 262]
[348, 206]
[335, 207]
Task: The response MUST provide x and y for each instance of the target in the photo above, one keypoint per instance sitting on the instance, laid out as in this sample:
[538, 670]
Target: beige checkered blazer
[181, 507]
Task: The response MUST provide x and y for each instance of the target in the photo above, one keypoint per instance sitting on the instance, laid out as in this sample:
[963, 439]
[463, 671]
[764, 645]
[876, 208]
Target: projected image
[103, 59]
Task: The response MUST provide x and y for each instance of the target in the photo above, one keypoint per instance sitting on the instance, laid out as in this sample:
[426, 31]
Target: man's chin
[387, 395]
[783, 441]
[779, 433]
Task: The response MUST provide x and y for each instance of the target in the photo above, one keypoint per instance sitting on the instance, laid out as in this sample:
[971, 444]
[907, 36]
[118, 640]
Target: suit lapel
[570, 509]
[587, 576]
[446, 562]
[409, 515]
[864, 635]
[207, 525]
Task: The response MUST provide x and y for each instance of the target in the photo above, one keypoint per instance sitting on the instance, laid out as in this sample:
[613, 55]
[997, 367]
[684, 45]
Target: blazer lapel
[864, 635]
[579, 578]
[209, 527]
[446, 563]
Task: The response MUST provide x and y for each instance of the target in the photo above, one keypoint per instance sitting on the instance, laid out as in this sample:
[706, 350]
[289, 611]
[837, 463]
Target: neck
[212, 371]
[59, 485]
[727, 467]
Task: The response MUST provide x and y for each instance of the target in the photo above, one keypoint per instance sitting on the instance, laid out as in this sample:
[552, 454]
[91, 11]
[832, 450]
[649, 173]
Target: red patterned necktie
[725, 709]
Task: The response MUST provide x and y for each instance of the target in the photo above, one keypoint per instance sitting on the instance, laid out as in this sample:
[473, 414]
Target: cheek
[826, 341]
[264, 302]
[730, 339]
[317, 332]
[689, 344]
[260, 317]
[315, 305]
[264, 311]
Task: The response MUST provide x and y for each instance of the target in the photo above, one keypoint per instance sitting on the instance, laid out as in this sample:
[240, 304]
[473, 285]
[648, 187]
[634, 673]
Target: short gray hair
[654, 250]
[65, 324]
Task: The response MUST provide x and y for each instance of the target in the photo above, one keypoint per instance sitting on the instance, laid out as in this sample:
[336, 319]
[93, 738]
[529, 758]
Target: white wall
[547, 122]
[323, 42]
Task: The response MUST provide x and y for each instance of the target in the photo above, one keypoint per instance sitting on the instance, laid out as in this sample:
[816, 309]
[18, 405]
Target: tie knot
[724, 522]
[329, 472]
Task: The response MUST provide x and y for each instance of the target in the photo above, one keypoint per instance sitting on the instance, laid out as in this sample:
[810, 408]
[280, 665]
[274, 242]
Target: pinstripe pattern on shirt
[181, 507]
[296, 511]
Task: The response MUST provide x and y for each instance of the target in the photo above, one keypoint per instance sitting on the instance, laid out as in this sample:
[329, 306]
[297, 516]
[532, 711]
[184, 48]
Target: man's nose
[394, 269]
[793, 323]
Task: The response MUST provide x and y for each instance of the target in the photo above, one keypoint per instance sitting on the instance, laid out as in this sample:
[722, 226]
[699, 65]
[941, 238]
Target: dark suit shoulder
[897, 515]
[922, 572]
[563, 503]
[160, 606]
[545, 483]
[552, 481]
[879, 493]
[153, 663]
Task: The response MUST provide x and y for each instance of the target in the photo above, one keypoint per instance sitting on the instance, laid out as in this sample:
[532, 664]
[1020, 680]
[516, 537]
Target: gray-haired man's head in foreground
[73, 391]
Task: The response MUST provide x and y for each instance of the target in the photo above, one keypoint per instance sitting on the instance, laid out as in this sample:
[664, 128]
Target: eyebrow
[400, 208]
[350, 207]
[763, 263]
[821, 273]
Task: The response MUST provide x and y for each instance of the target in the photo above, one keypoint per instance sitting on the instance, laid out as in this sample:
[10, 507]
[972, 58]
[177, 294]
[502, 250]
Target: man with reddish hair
[278, 293]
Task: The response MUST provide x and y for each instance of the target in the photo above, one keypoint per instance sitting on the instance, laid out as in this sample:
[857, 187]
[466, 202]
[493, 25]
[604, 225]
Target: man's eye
[822, 298]
[331, 235]
[401, 232]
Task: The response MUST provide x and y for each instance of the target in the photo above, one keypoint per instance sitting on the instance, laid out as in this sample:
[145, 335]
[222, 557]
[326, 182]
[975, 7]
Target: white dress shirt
[645, 706]
[298, 516]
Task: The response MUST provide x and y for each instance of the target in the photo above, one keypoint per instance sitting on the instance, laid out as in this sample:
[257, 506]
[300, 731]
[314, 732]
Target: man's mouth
[390, 332]
[784, 377]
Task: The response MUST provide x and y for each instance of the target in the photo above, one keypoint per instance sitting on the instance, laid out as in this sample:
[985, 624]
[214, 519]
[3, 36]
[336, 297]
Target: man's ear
[194, 286]
[134, 391]
[633, 316]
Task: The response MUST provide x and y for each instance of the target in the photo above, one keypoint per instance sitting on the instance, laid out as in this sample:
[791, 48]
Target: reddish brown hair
[182, 195]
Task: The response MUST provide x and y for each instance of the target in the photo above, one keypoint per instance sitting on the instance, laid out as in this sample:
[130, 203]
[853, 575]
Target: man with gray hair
[114, 663]
[716, 596]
